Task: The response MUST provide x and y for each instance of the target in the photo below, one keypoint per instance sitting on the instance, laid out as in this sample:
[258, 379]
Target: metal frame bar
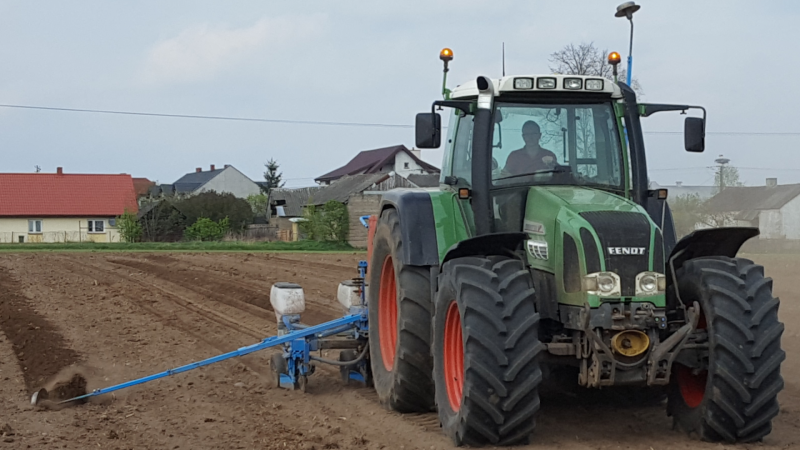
[296, 337]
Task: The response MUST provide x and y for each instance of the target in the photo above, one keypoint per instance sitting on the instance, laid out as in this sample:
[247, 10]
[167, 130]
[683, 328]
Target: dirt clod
[73, 387]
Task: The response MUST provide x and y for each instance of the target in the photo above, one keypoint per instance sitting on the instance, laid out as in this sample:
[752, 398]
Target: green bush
[216, 207]
[205, 229]
[130, 230]
[330, 223]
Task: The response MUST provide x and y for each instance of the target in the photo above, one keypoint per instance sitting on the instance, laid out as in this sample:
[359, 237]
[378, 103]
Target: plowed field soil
[112, 317]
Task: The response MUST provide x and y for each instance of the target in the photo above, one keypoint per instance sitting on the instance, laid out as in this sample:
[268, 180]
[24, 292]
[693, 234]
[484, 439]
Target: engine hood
[581, 199]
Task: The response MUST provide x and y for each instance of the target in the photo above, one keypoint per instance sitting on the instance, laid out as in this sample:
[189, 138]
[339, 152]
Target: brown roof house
[397, 159]
[774, 209]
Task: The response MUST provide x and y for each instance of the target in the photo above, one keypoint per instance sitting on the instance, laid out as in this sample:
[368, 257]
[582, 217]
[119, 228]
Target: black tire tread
[501, 356]
[411, 386]
[745, 352]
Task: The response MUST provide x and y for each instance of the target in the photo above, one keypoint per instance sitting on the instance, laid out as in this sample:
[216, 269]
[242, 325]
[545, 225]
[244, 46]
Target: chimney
[227, 165]
[772, 182]
[60, 170]
[212, 167]
[679, 183]
[198, 170]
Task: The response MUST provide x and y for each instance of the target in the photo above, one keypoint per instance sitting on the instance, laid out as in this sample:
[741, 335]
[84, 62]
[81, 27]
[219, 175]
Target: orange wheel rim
[691, 385]
[453, 357]
[387, 313]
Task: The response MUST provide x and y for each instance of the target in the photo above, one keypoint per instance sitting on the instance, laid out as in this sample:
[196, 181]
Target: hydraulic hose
[342, 363]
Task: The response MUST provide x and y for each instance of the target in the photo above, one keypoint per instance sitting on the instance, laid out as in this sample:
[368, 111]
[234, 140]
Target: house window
[405, 165]
[96, 226]
[34, 226]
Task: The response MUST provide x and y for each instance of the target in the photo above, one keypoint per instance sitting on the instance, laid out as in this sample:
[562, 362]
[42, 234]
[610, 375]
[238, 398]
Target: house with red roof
[60, 207]
[397, 159]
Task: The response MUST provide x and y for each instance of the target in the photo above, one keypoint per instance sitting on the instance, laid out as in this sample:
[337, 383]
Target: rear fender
[417, 225]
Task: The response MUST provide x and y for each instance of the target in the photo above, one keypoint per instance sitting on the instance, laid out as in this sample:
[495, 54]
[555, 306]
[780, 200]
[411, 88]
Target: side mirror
[428, 130]
[694, 134]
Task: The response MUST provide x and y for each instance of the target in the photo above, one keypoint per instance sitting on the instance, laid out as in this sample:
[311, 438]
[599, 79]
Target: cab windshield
[556, 144]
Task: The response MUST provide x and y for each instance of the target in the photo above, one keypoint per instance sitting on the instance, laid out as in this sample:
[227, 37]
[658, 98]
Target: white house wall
[771, 224]
[791, 219]
[56, 229]
[400, 160]
[231, 181]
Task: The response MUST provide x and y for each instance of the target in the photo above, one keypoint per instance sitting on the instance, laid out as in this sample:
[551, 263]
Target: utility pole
[722, 163]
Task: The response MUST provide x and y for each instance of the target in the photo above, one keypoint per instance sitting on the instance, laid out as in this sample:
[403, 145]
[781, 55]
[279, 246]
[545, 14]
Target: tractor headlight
[573, 83]
[594, 85]
[523, 83]
[650, 283]
[546, 83]
[604, 284]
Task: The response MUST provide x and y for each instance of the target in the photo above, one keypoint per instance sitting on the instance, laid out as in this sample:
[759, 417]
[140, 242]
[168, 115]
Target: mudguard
[417, 225]
[504, 244]
[710, 242]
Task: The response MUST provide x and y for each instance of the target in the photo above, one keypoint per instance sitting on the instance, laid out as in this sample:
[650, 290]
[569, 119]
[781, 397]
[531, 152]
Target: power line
[344, 124]
[679, 168]
[734, 133]
[715, 167]
[193, 116]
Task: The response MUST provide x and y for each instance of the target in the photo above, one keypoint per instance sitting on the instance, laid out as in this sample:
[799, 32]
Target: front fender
[710, 242]
[488, 244]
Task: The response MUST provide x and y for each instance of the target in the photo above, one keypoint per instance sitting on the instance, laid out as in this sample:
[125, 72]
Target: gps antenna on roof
[504, 59]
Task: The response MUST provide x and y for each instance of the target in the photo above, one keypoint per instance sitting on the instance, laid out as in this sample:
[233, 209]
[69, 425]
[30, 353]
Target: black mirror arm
[650, 109]
[464, 106]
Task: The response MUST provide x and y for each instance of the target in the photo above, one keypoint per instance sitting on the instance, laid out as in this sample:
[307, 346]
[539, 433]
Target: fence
[256, 232]
[12, 237]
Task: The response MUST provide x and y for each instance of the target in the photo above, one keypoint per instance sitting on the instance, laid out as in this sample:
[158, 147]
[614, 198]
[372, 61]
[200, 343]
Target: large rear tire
[735, 399]
[400, 322]
[486, 351]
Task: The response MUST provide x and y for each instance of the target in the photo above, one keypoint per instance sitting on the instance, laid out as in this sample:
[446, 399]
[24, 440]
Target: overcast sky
[367, 62]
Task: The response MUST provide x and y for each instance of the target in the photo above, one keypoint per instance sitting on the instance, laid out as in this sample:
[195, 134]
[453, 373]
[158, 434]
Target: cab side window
[462, 151]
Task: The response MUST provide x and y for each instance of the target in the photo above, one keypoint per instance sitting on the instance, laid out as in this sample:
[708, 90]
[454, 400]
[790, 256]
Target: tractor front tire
[486, 351]
[400, 322]
[735, 399]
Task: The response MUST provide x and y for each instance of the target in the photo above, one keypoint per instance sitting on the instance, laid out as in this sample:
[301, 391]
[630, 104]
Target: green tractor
[544, 253]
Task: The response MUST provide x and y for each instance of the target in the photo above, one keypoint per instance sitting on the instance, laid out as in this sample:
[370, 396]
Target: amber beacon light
[446, 55]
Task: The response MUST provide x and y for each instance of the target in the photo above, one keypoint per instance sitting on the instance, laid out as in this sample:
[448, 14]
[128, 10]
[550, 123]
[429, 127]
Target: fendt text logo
[626, 250]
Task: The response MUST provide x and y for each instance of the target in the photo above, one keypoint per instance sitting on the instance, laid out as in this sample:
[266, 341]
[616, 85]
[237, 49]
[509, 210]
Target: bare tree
[586, 59]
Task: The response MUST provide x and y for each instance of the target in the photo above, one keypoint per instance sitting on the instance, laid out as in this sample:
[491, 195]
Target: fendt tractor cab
[542, 252]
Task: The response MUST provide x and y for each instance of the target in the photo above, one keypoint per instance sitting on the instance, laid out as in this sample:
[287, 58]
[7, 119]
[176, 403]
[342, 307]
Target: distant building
[225, 180]
[286, 205]
[397, 159]
[362, 194]
[680, 190]
[774, 209]
[59, 207]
